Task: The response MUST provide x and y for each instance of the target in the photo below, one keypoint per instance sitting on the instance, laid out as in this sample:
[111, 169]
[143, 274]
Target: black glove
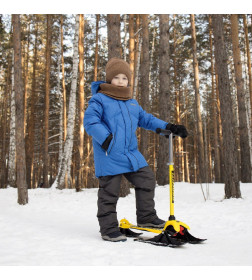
[177, 129]
[106, 143]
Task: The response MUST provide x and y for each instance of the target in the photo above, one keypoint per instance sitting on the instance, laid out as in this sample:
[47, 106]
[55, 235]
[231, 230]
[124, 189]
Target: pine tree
[164, 97]
[81, 104]
[31, 122]
[46, 103]
[243, 125]
[214, 108]
[114, 37]
[144, 72]
[232, 188]
[19, 100]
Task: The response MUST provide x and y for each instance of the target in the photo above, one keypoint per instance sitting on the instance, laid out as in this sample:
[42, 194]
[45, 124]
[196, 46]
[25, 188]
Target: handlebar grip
[165, 132]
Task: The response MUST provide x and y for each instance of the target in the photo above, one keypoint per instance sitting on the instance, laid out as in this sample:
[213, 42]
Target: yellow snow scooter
[174, 233]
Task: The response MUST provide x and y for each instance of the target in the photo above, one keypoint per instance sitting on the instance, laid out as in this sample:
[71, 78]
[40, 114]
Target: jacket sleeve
[148, 121]
[92, 120]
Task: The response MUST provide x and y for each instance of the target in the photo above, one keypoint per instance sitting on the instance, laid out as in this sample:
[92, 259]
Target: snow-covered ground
[60, 228]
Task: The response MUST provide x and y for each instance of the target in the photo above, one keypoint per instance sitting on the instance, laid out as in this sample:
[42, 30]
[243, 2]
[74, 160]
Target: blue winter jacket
[106, 115]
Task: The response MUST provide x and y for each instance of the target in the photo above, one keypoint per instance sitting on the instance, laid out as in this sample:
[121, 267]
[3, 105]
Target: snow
[60, 228]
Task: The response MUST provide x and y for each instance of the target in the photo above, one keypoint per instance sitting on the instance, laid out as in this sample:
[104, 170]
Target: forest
[190, 69]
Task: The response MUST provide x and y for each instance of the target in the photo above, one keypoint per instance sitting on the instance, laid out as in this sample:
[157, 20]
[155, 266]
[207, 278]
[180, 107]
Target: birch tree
[12, 147]
[201, 155]
[63, 78]
[65, 166]
[61, 101]
[3, 167]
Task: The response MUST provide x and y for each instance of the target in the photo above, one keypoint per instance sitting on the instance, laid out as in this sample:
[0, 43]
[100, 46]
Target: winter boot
[157, 223]
[114, 237]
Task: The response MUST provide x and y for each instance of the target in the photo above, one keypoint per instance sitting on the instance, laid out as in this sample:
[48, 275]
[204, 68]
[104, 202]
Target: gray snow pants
[108, 194]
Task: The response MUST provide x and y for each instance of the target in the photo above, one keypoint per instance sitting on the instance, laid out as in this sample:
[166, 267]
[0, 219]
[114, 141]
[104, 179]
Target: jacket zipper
[123, 120]
[131, 135]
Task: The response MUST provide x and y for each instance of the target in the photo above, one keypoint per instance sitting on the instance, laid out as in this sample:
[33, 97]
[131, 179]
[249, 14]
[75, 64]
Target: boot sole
[118, 239]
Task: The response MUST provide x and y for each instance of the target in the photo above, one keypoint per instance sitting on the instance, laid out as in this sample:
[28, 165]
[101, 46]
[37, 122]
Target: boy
[112, 118]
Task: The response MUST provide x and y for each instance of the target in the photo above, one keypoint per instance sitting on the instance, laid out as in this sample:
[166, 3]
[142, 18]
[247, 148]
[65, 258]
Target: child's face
[120, 80]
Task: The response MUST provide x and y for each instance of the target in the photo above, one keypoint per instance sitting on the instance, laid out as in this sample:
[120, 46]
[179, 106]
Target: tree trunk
[164, 97]
[81, 102]
[136, 75]
[64, 169]
[61, 100]
[153, 97]
[124, 188]
[47, 94]
[178, 147]
[26, 74]
[131, 48]
[201, 156]
[3, 150]
[209, 156]
[114, 37]
[219, 127]
[115, 50]
[12, 146]
[138, 46]
[125, 37]
[195, 150]
[249, 63]
[232, 188]
[3, 153]
[31, 122]
[243, 125]
[19, 100]
[214, 113]
[186, 158]
[96, 47]
[63, 79]
[206, 143]
[249, 106]
[144, 72]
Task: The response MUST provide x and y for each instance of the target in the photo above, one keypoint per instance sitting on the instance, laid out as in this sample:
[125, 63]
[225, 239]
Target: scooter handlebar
[165, 132]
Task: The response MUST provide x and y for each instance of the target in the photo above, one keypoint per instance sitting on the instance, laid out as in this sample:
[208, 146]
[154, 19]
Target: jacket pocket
[111, 145]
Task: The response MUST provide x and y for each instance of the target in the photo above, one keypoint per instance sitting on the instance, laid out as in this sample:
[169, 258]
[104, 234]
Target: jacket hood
[95, 86]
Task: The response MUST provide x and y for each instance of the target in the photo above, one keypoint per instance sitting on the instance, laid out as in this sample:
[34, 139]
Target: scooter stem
[171, 177]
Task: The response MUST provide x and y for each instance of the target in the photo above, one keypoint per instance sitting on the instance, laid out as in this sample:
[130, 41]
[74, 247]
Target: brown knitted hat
[117, 66]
